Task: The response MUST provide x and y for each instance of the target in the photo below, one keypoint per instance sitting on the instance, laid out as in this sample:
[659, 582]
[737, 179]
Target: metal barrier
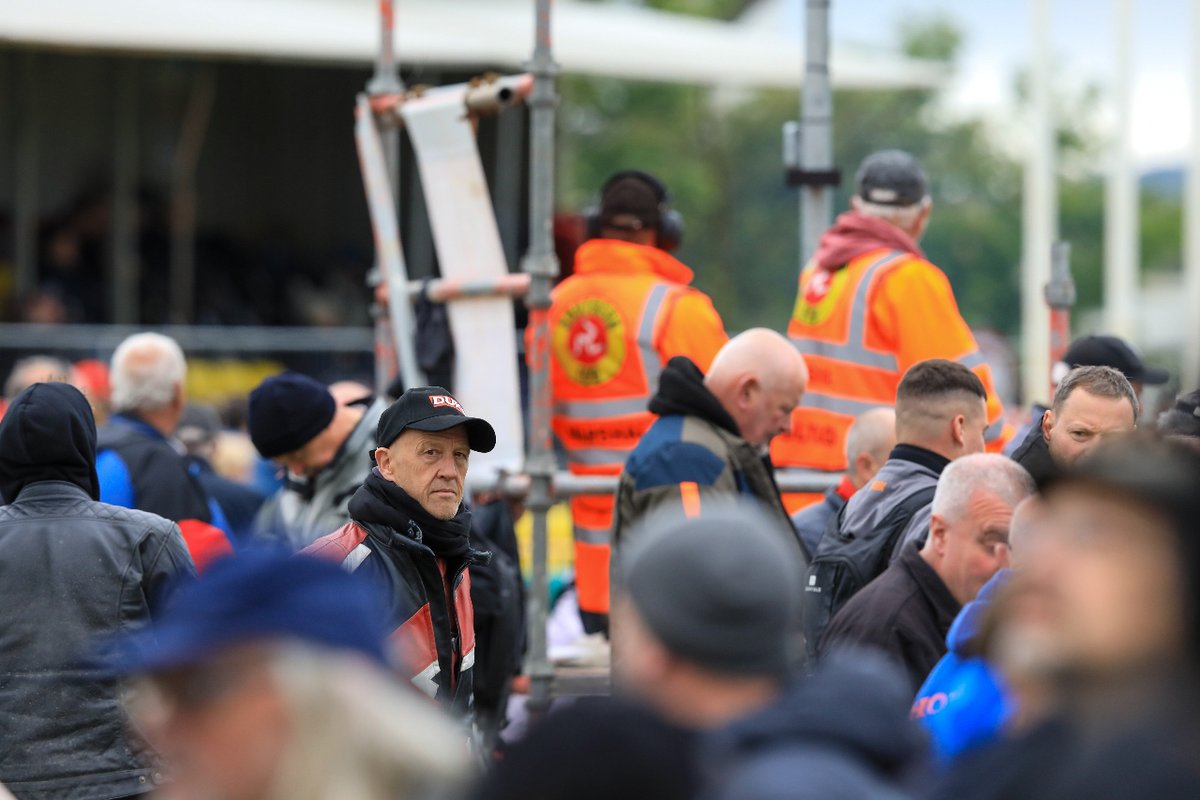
[565, 485]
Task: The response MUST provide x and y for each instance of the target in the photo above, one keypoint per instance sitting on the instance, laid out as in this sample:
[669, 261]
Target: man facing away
[907, 611]
[74, 569]
[711, 437]
[1089, 404]
[869, 307]
[940, 416]
[869, 442]
[701, 634]
[295, 421]
[624, 313]
[409, 535]
[138, 463]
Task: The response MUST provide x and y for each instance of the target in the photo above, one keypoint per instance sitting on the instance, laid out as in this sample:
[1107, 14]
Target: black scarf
[380, 501]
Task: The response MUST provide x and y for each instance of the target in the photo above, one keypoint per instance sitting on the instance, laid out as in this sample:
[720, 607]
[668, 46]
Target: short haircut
[1099, 381]
[928, 385]
[1183, 419]
[146, 369]
[965, 476]
[18, 380]
[867, 434]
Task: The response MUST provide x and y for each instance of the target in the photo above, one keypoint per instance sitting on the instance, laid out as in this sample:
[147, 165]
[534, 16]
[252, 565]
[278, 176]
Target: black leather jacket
[73, 570]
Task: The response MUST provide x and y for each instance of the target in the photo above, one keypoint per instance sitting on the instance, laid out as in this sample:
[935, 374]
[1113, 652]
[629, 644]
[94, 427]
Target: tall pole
[1191, 226]
[542, 265]
[1040, 214]
[816, 141]
[385, 81]
[1121, 207]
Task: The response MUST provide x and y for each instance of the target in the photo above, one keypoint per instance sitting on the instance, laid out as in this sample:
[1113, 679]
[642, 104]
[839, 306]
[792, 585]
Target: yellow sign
[819, 294]
[589, 342]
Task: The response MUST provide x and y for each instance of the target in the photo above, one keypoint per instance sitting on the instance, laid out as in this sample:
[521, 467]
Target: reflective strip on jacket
[859, 329]
[626, 311]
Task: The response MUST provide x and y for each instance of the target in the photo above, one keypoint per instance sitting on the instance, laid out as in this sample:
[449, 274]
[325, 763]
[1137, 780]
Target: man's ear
[1047, 424]
[383, 460]
[958, 429]
[864, 466]
[937, 534]
[748, 387]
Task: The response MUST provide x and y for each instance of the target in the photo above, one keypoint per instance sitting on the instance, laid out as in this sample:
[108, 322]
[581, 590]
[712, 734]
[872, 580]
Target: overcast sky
[998, 42]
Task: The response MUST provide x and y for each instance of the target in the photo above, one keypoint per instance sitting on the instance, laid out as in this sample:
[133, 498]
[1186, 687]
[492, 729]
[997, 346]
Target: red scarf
[853, 234]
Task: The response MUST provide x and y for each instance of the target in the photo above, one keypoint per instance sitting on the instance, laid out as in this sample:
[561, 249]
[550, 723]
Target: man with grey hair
[1089, 404]
[907, 611]
[35, 369]
[868, 444]
[138, 463]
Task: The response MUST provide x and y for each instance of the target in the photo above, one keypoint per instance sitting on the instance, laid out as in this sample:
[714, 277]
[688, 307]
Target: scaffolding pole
[1191, 225]
[1040, 214]
[1121, 205]
[542, 265]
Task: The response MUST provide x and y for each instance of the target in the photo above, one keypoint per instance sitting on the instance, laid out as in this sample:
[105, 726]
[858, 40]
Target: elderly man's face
[1100, 591]
[770, 410]
[1083, 422]
[973, 546]
[431, 466]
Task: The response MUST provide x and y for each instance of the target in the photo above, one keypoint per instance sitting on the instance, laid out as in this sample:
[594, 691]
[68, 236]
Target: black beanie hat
[287, 412]
[48, 434]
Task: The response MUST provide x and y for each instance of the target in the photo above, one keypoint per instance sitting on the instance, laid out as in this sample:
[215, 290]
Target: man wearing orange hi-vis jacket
[627, 310]
[869, 307]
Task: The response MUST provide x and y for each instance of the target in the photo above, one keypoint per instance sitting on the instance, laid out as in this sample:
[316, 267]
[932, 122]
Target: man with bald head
[869, 442]
[713, 431]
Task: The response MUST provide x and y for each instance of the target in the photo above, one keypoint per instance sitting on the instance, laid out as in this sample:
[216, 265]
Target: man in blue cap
[268, 678]
[409, 535]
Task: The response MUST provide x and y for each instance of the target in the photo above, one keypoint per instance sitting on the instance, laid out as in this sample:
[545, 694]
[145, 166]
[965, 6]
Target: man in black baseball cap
[1115, 352]
[409, 535]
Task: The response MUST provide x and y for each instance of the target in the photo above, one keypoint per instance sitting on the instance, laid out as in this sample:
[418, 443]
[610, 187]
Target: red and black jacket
[430, 612]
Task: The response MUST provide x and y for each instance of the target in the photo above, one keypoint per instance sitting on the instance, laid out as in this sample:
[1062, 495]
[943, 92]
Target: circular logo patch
[818, 296]
[589, 342]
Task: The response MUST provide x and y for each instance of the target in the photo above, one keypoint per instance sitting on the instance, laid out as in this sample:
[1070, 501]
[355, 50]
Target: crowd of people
[337, 617]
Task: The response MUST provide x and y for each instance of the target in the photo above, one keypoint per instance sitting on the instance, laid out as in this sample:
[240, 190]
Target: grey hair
[146, 369]
[868, 433]
[359, 735]
[989, 472]
[18, 380]
[904, 217]
[1099, 381]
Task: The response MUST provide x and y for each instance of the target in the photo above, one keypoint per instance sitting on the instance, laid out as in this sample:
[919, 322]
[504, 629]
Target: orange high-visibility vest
[614, 324]
[860, 328]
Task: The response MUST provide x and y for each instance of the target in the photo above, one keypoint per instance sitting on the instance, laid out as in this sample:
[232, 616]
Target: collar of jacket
[681, 392]
[945, 607]
[52, 490]
[1034, 453]
[919, 455]
[138, 424]
[614, 256]
[845, 489]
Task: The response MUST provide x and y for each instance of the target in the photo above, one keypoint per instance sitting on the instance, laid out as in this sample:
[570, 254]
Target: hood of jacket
[617, 256]
[854, 234]
[856, 701]
[48, 434]
[681, 392]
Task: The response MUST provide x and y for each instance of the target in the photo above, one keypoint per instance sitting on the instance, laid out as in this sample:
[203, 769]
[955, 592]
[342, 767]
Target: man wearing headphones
[614, 324]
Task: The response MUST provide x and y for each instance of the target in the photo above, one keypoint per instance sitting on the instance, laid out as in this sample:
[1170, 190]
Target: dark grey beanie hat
[721, 590]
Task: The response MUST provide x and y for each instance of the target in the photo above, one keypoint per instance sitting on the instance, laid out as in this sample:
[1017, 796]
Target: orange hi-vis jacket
[614, 324]
[859, 329]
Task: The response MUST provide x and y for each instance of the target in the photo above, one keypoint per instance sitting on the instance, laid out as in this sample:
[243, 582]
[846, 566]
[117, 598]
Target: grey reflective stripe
[591, 535]
[994, 430]
[972, 360]
[600, 409]
[597, 456]
[855, 349]
[651, 363]
[356, 557]
[426, 679]
[837, 405]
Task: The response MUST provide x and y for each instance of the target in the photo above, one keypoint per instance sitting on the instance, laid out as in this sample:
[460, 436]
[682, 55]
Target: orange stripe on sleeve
[689, 492]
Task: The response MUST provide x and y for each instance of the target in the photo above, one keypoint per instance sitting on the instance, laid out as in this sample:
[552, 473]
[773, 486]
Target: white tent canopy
[615, 40]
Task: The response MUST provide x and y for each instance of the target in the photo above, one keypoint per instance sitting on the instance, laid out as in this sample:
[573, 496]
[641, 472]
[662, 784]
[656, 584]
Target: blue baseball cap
[254, 596]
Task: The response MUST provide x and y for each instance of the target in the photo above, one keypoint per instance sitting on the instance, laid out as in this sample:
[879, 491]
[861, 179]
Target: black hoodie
[681, 391]
[48, 434]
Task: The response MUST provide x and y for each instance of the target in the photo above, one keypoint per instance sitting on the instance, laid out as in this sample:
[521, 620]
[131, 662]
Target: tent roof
[616, 40]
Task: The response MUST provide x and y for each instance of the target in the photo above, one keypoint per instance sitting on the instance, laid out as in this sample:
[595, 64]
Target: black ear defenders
[670, 221]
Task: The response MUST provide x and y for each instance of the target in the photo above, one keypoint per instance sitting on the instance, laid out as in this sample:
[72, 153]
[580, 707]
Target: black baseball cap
[1115, 352]
[891, 178]
[432, 408]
